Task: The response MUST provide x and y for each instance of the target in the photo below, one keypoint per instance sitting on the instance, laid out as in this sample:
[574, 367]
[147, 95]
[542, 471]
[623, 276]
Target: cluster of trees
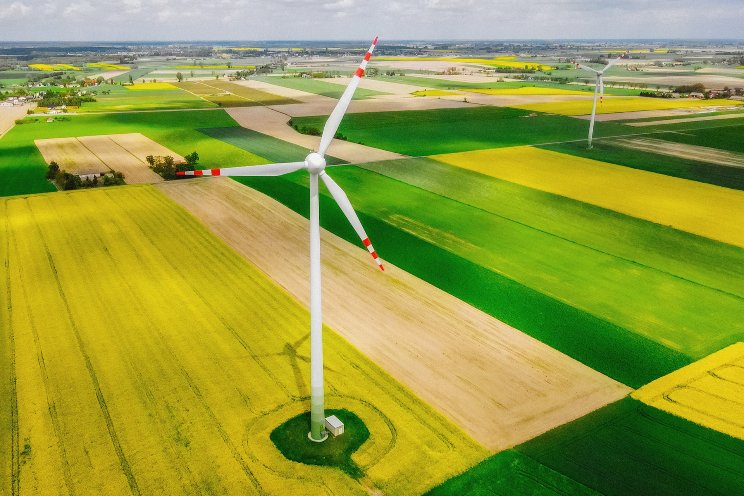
[314, 131]
[690, 88]
[655, 94]
[66, 181]
[57, 99]
[167, 168]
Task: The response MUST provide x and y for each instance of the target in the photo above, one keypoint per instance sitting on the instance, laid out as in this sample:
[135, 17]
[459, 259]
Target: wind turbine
[598, 89]
[315, 165]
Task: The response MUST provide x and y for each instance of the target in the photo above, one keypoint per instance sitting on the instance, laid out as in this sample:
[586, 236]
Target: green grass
[607, 151]
[428, 132]
[529, 286]
[727, 135]
[631, 448]
[291, 440]
[135, 73]
[22, 166]
[268, 147]
[444, 84]
[511, 473]
[122, 99]
[318, 87]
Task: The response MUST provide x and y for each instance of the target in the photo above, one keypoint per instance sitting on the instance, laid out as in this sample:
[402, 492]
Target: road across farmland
[500, 385]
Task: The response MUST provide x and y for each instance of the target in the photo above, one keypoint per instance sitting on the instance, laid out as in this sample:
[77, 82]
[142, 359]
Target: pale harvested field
[710, 81]
[141, 146]
[274, 123]
[71, 155]
[689, 119]
[691, 152]
[500, 385]
[709, 392]
[378, 85]
[698, 208]
[467, 78]
[8, 116]
[120, 159]
[124, 153]
[275, 89]
[108, 74]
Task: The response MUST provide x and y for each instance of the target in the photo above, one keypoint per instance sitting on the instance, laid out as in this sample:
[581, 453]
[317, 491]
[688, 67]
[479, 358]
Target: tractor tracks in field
[15, 463]
[123, 462]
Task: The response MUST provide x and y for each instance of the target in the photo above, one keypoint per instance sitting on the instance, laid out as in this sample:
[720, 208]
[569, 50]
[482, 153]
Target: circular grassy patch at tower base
[291, 440]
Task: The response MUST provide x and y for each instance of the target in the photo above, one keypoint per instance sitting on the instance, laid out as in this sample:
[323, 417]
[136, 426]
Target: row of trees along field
[66, 181]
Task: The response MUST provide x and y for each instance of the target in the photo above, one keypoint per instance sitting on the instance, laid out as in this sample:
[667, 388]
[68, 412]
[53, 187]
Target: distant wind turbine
[315, 164]
[598, 89]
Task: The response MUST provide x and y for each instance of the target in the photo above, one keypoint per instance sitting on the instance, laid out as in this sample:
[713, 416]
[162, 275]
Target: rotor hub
[315, 163]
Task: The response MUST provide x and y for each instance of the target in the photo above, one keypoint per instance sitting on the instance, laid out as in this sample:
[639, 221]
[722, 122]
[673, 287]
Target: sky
[161, 20]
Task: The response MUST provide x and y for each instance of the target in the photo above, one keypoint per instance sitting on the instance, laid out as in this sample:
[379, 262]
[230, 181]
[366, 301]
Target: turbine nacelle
[315, 163]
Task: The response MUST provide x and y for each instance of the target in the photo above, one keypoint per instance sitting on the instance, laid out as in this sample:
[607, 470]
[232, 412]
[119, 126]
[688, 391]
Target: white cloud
[78, 9]
[15, 9]
[132, 6]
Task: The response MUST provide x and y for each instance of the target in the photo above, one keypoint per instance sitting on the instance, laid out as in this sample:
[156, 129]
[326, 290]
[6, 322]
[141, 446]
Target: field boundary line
[95, 154]
[123, 462]
[15, 465]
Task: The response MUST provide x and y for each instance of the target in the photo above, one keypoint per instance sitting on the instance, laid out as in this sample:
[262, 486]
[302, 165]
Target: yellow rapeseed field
[529, 90]
[54, 67]
[709, 392]
[699, 208]
[151, 86]
[507, 61]
[108, 67]
[612, 105]
[436, 93]
[141, 355]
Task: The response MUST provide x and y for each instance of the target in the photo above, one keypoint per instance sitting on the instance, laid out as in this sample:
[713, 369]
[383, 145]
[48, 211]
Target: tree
[179, 76]
[150, 160]
[192, 159]
[100, 80]
[229, 64]
[53, 170]
[131, 81]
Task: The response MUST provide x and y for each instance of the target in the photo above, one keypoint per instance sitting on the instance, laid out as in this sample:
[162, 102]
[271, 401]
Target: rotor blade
[343, 202]
[331, 125]
[586, 68]
[251, 170]
[601, 88]
[612, 62]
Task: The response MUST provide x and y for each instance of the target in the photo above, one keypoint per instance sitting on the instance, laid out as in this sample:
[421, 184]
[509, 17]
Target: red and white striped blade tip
[368, 245]
[205, 172]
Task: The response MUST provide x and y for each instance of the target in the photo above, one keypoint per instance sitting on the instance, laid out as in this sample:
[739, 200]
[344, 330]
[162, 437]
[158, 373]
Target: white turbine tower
[598, 89]
[315, 164]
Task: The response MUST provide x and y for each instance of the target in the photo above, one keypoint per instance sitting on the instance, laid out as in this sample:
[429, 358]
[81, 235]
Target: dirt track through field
[691, 152]
[274, 123]
[500, 385]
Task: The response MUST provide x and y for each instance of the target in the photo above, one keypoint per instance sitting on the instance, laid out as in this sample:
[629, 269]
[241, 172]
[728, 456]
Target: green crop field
[135, 73]
[429, 132]
[227, 94]
[453, 84]
[511, 473]
[318, 87]
[723, 134]
[571, 289]
[631, 448]
[624, 448]
[142, 355]
[123, 99]
[607, 151]
[22, 167]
